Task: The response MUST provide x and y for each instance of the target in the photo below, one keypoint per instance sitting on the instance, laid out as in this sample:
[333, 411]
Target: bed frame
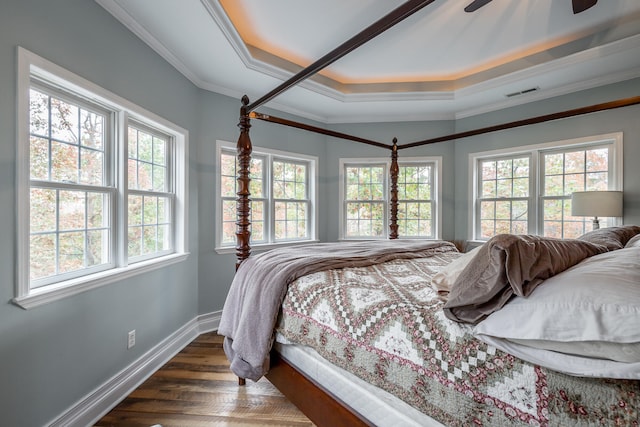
[320, 406]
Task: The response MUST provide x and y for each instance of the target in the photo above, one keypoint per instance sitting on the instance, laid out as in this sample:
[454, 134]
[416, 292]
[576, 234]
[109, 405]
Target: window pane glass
[43, 210]
[71, 210]
[39, 158]
[574, 162]
[72, 251]
[159, 175]
[98, 247]
[256, 173]
[150, 239]
[92, 130]
[134, 244]
[147, 160]
[42, 255]
[598, 160]
[38, 113]
[414, 194]
[64, 121]
[159, 151]
[488, 170]
[64, 162]
[554, 164]
[91, 167]
[135, 210]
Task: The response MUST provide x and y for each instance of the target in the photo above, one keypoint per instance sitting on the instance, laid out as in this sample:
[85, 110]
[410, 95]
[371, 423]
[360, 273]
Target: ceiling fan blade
[475, 5]
[582, 5]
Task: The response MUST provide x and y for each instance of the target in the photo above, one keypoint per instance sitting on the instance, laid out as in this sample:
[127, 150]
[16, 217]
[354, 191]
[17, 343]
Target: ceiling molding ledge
[221, 19]
[541, 95]
[627, 46]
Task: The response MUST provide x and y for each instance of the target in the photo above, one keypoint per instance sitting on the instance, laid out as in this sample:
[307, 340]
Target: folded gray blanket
[259, 286]
[509, 265]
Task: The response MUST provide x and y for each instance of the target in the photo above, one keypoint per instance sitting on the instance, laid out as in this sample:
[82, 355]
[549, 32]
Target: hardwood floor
[197, 389]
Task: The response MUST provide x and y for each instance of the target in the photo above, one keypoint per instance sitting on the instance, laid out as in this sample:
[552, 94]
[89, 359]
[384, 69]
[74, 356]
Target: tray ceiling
[440, 63]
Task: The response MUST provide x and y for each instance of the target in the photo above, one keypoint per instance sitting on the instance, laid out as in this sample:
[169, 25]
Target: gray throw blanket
[260, 284]
[509, 265]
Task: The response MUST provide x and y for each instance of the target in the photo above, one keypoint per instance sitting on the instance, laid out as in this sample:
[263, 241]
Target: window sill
[68, 288]
[265, 247]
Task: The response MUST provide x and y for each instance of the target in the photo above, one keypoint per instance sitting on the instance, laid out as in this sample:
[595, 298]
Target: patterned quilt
[385, 324]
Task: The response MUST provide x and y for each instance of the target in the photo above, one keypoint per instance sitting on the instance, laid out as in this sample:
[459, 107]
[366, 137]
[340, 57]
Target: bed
[383, 334]
[381, 319]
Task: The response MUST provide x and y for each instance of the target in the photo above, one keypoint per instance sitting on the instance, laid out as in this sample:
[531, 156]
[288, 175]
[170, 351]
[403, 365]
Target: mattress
[376, 405]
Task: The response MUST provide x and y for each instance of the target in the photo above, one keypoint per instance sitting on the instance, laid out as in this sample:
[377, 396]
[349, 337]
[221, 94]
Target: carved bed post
[243, 204]
[393, 172]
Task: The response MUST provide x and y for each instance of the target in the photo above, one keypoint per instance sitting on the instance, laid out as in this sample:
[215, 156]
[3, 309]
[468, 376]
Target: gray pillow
[611, 237]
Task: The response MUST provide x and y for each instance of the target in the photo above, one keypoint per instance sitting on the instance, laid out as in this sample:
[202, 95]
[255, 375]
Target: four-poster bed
[329, 407]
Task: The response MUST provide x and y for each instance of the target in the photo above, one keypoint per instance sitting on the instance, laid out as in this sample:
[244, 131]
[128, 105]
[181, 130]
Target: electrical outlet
[131, 339]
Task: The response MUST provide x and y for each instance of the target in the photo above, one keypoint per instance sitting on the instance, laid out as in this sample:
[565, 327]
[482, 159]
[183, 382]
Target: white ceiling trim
[222, 20]
[628, 46]
[542, 94]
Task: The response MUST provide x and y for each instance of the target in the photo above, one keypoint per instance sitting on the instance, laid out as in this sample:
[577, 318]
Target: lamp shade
[597, 203]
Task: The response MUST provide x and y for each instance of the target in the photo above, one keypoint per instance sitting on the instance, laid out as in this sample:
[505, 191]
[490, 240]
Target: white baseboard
[94, 406]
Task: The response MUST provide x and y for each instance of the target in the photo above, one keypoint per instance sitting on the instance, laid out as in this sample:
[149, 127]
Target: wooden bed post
[243, 204]
[393, 172]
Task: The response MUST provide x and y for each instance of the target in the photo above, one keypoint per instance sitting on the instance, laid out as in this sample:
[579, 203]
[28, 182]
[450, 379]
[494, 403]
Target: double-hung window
[283, 197]
[101, 185]
[365, 196]
[528, 191]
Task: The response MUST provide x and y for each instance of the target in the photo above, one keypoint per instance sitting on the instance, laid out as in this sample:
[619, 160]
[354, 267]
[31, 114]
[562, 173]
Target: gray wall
[53, 355]
[56, 354]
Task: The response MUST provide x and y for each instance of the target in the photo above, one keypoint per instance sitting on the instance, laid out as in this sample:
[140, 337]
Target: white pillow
[595, 301]
[633, 242]
[441, 282]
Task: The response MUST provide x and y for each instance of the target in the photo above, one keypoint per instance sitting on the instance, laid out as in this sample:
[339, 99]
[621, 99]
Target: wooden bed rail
[531, 121]
[304, 126]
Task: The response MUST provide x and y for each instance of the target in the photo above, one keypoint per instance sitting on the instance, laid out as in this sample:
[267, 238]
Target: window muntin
[282, 197]
[555, 170]
[365, 194]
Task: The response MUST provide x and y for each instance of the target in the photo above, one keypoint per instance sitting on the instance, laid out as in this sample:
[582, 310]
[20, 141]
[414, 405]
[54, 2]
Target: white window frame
[33, 67]
[535, 152]
[269, 155]
[386, 162]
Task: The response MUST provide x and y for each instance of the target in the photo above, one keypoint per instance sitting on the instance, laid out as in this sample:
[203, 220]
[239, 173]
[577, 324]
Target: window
[365, 195]
[529, 191]
[101, 185]
[150, 199]
[283, 201]
[365, 200]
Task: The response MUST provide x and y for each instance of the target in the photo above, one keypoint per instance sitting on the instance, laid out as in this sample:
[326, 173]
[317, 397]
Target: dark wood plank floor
[197, 389]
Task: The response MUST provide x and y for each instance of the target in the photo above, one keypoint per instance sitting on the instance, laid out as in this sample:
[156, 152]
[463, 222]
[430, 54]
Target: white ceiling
[441, 63]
